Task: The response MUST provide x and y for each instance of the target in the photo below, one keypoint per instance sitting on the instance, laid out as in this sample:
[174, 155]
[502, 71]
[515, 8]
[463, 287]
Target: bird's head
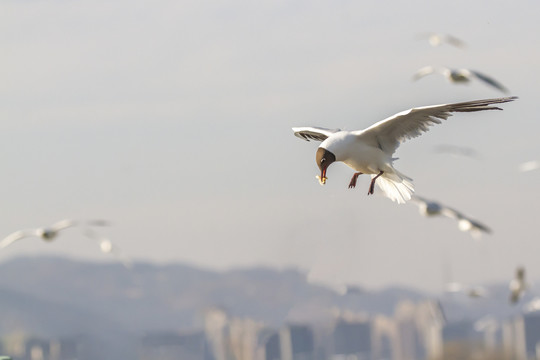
[324, 158]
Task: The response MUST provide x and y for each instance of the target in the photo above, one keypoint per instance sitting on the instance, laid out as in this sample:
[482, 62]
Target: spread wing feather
[391, 132]
[313, 133]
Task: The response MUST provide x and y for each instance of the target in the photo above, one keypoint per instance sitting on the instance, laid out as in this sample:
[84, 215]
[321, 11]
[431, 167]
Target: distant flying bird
[533, 305]
[316, 277]
[471, 226]
[370, 151]
[518, 286]
[47, 233]
[436, 39]
[433, 208]
[472, 292]
[107, 247]
[456, 150]
[459, 76]
[529, 166]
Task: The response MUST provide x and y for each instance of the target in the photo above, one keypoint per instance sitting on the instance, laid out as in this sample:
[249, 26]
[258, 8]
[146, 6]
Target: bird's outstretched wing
[451, 213]
[313, 133]
[490, 81]
[107, 247]
[436, 39]
[426, 70]
[17, 235]
[63, 224]
[474, 227]
[419, 199]
[452, 40]
[389, 133]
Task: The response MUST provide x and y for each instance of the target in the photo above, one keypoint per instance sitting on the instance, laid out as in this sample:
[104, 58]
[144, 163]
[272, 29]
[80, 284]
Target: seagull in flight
[48, 233]
[370, 151]
[529, 166]
[533, 305]
[472, 292]
[436, 39]
[459, 76]
[434, 208]
[518, 286]
[456, 150]
[107, 247]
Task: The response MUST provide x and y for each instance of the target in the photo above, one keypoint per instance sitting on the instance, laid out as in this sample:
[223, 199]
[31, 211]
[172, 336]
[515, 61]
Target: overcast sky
[172, 119]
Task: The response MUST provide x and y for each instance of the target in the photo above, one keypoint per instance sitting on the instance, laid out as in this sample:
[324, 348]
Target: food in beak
[322, 180]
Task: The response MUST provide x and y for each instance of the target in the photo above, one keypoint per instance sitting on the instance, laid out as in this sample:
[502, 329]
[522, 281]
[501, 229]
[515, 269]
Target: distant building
[242, 338]
[460, 331]
[268, 345]
[352, 339]
[32, 348]
[521, 336]
[173, 346]
[297, 343]
[291, 342]
[384, 338]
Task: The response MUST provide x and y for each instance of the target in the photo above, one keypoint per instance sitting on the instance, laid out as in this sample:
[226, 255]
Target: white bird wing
[389, 133]
[17, 235]
[478, 226]
[454, 287]
[106, 246]
[426, 70]
[451, 213]
[452, 40]
[313, 133]
[419, 199]
[490, 81]
[529, 166]
[63, 224]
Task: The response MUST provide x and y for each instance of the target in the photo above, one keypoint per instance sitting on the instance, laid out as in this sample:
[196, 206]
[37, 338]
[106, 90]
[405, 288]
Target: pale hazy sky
[173, 119]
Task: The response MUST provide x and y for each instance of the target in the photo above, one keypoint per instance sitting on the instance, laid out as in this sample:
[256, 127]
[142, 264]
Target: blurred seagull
[47, 233]
[456, 150]
[459, 76]
[472, 292]
[319, 278]
[432, 208]
[436, 39]
[370, 151]
[529, 166]
[107, 247]
[518, 285]
[533, 305]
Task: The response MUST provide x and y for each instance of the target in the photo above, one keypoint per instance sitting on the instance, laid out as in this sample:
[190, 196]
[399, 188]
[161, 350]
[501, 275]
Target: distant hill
[56, 295]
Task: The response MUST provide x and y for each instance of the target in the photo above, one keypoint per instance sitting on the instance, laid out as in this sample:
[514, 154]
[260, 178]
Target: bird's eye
[323, 160]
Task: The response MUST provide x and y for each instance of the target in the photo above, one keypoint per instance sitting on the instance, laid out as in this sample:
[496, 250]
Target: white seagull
[47, 233]
[106, 246]
[529, 166]
[436, 39]
[472, 292]
[432, 208]
[518, 286]
[456, 150]
[533, 305]
[459, 76]
[370, 151]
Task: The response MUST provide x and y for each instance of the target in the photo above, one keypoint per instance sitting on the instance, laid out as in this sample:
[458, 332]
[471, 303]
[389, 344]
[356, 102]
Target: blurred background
[172, 121]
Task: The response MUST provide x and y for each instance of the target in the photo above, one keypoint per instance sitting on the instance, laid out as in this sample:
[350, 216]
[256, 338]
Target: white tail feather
[395, 186]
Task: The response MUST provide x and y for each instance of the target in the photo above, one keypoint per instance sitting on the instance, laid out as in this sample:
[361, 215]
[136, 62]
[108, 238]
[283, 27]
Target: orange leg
[372, 185]
[352, 184]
